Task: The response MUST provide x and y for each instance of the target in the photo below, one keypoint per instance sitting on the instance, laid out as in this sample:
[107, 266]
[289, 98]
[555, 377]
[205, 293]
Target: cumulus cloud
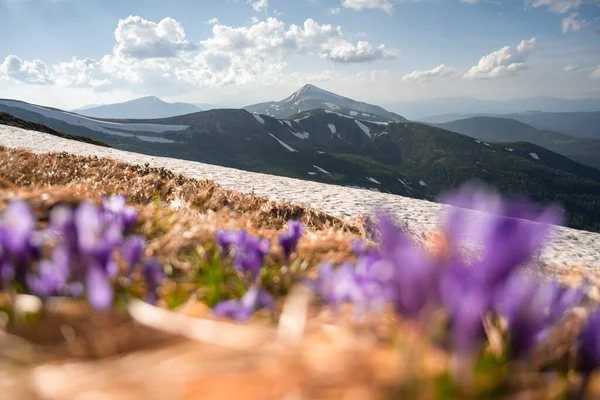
[571, 23]
[358, 5]
[213, 20]
[34, 72]
[558, 6]
[504, 62]
[140, 38]
[259, 5]
[346, 52]
[423, 76]
[570, 68]
[157, 56]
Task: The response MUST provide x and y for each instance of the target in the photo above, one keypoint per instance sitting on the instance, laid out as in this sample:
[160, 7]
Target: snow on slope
[94, 124]
[332, 128]
[364, 128]
[567, 246]
[284, 144]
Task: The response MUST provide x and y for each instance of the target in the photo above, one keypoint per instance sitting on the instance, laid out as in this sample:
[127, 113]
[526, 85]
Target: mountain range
[142, 108]
[422, 109]
[495, 129]
[310, 97]
[578, 124]
[333, 145]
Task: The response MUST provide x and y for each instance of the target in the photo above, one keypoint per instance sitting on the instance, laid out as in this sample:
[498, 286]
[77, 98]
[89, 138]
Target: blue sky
[68, 53]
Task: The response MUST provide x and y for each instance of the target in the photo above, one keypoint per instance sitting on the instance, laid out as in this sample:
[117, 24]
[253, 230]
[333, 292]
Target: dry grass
[72, 353]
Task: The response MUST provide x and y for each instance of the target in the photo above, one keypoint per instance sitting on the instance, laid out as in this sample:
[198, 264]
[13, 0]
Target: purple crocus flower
[226, 239]
[588, 345]
[154, 275]
[415, 274]
[254, 299]
[522, 303]
[289, 240]
[249, 253]
[132, 251]
[116, 208]
[52, 275]
[19, 248]
[359, 247]
[498, 226]
[98, 287]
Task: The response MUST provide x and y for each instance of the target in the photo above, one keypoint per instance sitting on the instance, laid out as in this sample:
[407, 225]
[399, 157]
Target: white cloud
[358, 5]
[140, 38]
[571, 23]
[334, 11]
[422, 76]
[470, 1]
[259, 5]
[596, 73]
[346, 52]
[558, 6]
[570, 68]
[504, 62]
[157, 58]
[35, 72]
[213, 21]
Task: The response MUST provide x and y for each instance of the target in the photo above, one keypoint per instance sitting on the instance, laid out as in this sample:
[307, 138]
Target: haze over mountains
[351, 143]
[142, 108]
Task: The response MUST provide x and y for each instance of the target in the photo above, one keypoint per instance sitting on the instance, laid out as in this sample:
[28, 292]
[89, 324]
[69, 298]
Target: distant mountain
[580, 124]
[493, 129]
[409, 159]
[422, 109]
[207, 106]
[310, 97]
[143, 108]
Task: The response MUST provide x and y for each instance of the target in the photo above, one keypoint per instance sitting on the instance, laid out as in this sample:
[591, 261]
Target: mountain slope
[579, 124]
[142, 108]
[493, 129]
[408, 159]
[310, 97]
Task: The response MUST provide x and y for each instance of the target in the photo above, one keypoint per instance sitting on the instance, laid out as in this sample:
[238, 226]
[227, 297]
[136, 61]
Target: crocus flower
[98, 287]
[588, 345]
[254, 299]
[289, 240]
[52, 275]
[17, 226]
[116, 209]
[132, 251]
[249, 253]
[154, 275]
[359, 247]
[522, 303]
[226, 239]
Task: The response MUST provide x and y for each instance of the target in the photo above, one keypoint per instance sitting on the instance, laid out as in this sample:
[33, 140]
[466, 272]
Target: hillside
[310, 97]
[494, 129]
[408, 159]
[578, 124]
[143, 108]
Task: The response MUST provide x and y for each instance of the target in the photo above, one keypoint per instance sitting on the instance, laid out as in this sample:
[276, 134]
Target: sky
[71, 53]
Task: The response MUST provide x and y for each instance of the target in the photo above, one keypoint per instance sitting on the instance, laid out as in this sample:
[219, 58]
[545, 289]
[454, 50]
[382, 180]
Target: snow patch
[300, 119]
[534, 156]
[259, 119]
[379, 123]
[353, 113]
[154, 139]
[373, 180]
[405, 185]
[331, 105]
[422, 183]
[332, 128]
[364, 128]
[509, 149]
[478, 141]
[289, 123]
[337, 113]
[381, 134]
[300, 135]
[320, 152]
[312, 173]
[321, 170]
[94, 124]
[367, 115]
[284, 144]
[488, 145]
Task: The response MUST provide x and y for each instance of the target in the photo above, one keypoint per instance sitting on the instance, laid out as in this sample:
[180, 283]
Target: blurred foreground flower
[83, 243]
